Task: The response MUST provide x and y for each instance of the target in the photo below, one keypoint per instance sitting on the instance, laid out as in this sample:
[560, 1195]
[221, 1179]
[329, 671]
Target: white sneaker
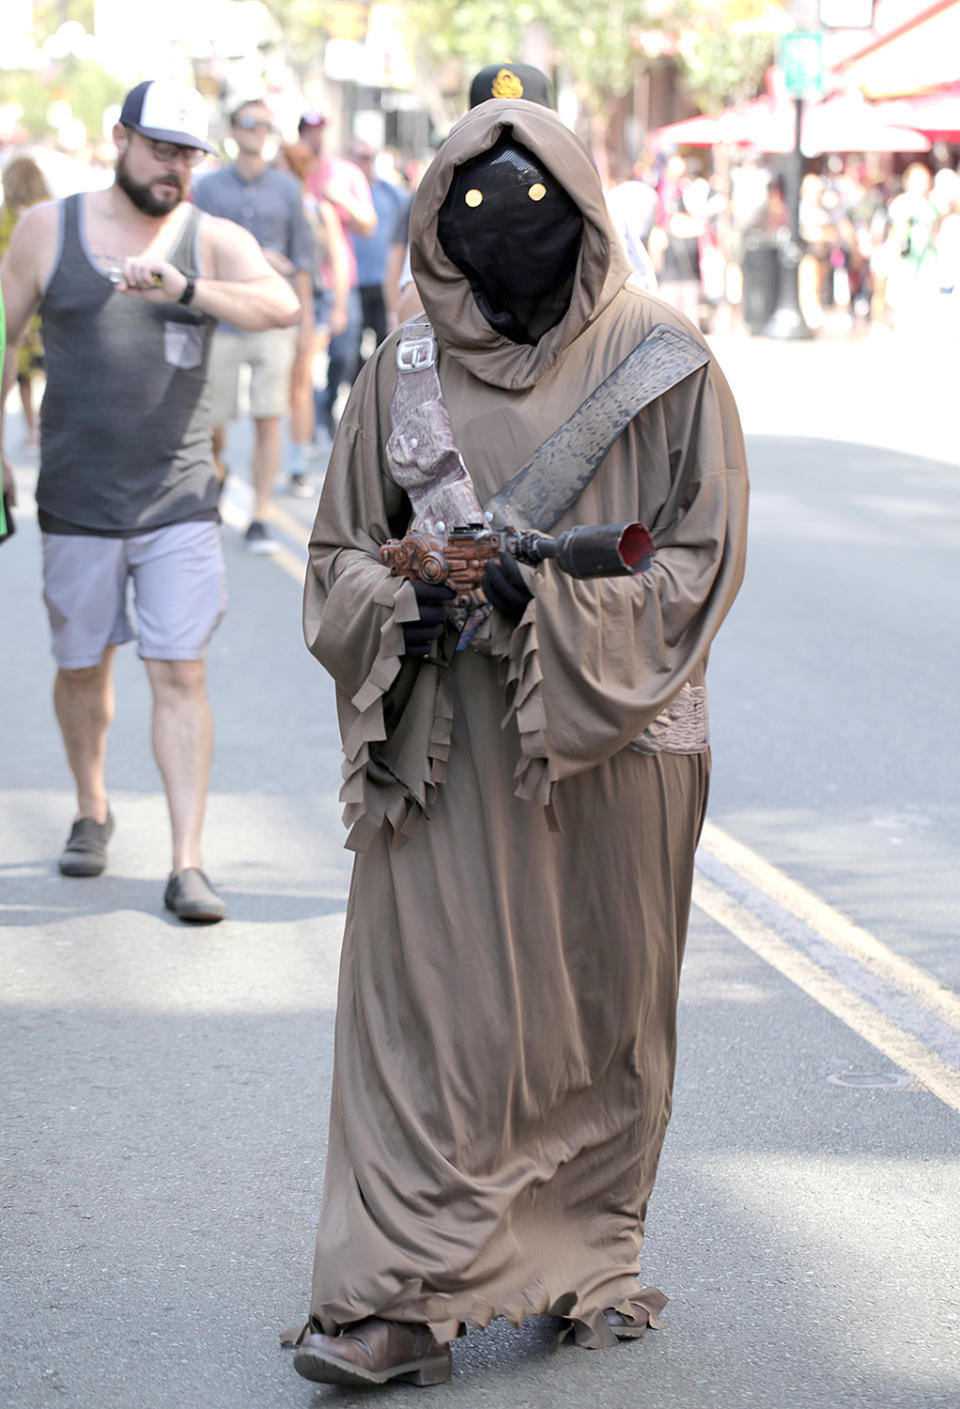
[301, 487]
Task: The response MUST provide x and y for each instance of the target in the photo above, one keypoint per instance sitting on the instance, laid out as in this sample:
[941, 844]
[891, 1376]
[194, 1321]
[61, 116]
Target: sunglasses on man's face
[252, 124]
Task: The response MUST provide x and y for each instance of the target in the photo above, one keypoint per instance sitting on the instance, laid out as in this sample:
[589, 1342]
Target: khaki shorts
[179, 592]
[269, 355]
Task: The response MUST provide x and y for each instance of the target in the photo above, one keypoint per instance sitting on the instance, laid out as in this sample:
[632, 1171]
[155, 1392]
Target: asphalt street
[165, 1090]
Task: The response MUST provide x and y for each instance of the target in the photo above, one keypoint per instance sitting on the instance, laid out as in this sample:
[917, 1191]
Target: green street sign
[801, 58]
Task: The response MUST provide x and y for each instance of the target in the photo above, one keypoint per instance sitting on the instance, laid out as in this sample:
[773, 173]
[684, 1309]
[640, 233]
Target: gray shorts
[269, 355]
[179, 591]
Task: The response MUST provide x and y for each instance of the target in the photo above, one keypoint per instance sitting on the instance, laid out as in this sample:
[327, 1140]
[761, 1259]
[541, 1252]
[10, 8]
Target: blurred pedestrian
[397, 272]
[632, 204]
[331, 293]
[24, 186]
[776, 214]
[911, 268]
[268, 203]
[344, 185]
[372, 250]
[129, 283]
[948, 266]
[8, 488]
[505, 1049]
[675, 249]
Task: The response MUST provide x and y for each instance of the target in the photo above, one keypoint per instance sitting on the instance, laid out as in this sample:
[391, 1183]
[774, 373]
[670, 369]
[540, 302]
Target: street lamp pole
[787, 321]
[801, 59]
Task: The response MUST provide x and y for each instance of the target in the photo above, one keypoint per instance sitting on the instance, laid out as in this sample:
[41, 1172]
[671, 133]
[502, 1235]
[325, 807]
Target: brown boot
[373, 1351]
[621, 1327]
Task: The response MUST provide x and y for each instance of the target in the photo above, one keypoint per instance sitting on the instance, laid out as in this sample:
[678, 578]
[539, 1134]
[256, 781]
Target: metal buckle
[416, 354]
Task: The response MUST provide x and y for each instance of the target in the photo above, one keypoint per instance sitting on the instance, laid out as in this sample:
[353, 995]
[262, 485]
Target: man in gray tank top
[130, 283]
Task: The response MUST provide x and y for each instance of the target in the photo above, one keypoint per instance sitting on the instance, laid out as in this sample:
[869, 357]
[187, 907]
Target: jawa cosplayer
[526, 765]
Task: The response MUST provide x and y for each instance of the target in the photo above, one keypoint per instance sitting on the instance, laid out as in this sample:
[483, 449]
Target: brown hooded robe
[505, 1029]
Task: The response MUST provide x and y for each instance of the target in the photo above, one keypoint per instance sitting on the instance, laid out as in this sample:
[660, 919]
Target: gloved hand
[504, 587]
[418, 635]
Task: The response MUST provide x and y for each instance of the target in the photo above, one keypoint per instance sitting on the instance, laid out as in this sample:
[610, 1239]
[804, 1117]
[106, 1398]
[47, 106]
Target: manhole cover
[870, 1079]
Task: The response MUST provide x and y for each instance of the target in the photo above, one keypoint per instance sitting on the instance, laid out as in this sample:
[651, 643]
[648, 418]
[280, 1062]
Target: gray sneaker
[191, 897]
[85, 853]
[259, 539]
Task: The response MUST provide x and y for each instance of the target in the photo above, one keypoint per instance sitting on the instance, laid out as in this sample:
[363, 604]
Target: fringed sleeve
[353, 617]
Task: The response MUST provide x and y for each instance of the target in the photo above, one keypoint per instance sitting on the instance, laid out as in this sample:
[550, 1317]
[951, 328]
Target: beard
[144, 197]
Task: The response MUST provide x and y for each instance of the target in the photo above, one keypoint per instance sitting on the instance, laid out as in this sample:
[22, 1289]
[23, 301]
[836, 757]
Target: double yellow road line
[901, 1009]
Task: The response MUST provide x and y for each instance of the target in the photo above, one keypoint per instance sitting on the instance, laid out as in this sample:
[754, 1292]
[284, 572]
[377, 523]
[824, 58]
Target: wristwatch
[189, 289]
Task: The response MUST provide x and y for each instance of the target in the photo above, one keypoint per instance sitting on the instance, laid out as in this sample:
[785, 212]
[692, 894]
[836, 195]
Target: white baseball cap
[167, 111]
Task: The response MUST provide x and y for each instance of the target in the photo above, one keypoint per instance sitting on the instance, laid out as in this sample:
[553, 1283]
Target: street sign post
[801, 59]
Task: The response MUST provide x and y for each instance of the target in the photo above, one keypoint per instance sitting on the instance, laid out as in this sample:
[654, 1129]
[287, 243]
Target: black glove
[418, 635]
[504, 587]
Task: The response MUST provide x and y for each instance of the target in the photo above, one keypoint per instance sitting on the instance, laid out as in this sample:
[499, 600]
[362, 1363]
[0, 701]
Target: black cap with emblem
[511, 81]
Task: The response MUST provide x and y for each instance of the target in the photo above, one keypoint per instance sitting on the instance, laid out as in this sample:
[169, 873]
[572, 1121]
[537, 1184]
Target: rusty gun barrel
[591, 550]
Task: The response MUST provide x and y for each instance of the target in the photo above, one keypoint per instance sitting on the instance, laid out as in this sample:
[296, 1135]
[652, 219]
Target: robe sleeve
[353, 616]
[593, 663]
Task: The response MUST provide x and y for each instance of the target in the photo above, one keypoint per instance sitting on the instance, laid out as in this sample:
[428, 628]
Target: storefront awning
[838, 125]
[935, 114]
[922, 54]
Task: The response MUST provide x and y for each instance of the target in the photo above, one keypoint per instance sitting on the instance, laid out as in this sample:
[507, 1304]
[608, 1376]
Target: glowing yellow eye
[537, 191]
[473, 198]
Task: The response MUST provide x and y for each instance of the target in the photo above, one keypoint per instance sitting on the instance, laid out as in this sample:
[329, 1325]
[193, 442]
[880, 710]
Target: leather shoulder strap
[422, 454]
[559, 471]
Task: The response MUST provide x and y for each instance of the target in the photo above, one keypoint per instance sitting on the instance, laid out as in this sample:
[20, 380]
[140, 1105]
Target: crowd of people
[879, 249]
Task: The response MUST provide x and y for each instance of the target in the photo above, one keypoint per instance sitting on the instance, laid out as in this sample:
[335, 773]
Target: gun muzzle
[600, 550]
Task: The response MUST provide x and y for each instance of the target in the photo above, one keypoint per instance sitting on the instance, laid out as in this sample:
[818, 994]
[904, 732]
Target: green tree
[49, 15]
[90, 90]
[722, 69]
[601, 51]
[596, 49]
[304, 25]
[83, 83]
[727, 46]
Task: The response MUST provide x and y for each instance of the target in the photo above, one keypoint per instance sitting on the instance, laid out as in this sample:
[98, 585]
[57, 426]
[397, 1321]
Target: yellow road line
[906, 1051]
[293, 566]
[835, 928]
[291, 526]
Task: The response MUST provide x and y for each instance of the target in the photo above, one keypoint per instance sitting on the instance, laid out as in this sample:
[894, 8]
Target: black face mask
[511, 228]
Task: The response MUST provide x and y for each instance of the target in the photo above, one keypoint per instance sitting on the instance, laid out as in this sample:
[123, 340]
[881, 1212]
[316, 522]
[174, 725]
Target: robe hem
[641, 1311]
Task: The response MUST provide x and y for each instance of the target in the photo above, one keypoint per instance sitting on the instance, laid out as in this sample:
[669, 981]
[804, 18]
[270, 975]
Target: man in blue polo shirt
[269, 204]
[372, 250]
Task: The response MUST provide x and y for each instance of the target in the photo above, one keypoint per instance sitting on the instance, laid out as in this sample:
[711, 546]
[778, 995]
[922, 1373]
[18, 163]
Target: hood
[602, 268]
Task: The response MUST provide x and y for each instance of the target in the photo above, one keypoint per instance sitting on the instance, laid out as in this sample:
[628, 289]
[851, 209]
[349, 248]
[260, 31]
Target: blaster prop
[589, 550]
